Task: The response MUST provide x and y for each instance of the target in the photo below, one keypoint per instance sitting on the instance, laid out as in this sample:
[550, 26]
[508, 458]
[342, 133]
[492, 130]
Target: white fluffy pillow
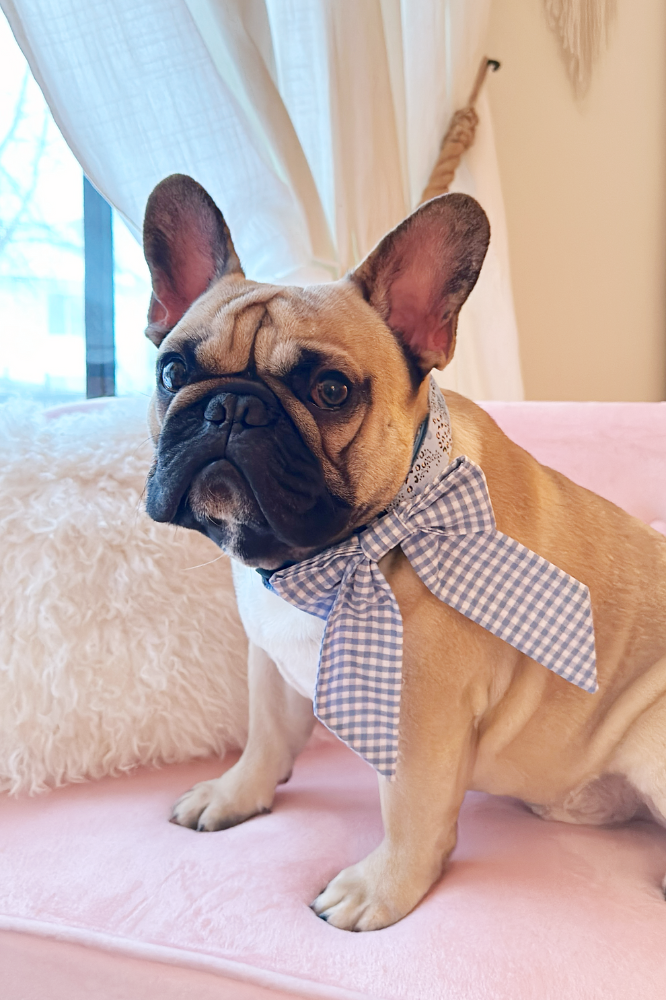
[120, 642]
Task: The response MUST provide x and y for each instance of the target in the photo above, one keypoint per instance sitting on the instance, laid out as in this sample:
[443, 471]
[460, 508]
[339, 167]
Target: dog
[284, 421]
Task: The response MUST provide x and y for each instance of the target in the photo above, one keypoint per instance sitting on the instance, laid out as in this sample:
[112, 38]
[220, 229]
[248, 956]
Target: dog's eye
[174, 375]
[330, 390]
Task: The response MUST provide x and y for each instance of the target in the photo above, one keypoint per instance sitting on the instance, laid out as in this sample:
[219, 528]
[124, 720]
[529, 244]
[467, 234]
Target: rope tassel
[459, 137]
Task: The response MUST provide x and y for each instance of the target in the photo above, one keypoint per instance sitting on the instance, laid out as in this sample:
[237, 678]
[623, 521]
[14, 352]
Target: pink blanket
[527, 909]
[101, 897]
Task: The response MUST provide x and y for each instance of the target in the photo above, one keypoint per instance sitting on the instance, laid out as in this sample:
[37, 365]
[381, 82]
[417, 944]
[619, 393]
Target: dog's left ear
[419, 275]
[187, 246]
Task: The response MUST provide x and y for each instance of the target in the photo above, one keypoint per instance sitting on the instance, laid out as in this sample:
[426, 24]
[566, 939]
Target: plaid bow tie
[443, 520]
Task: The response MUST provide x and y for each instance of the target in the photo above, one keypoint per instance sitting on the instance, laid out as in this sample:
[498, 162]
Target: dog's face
[284, 418]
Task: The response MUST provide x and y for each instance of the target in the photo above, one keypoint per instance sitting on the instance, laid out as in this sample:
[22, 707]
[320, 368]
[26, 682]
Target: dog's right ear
[187, 246]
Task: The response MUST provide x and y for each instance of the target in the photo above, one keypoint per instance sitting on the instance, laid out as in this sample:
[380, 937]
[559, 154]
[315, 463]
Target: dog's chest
[291, 637]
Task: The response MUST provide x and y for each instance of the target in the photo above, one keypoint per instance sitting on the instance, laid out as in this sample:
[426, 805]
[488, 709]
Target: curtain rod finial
[486, 64]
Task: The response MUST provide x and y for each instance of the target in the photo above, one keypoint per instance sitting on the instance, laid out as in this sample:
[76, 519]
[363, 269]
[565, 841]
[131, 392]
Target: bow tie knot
[394, 529]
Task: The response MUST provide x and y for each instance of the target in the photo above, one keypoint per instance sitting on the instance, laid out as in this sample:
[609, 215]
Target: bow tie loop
[313, 585]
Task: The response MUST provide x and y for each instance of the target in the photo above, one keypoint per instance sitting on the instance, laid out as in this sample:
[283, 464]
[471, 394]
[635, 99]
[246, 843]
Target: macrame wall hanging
[582, 27]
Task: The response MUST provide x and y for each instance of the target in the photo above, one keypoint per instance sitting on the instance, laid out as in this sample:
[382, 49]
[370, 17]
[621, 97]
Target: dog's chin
[220, 505]
[248, 545]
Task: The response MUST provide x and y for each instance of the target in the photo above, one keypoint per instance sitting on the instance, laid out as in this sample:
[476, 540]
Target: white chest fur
[291, 637]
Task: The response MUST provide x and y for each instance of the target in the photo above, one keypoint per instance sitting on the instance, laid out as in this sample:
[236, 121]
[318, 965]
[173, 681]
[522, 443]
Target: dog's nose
[253, 412]
[216, 411]
[246, 409]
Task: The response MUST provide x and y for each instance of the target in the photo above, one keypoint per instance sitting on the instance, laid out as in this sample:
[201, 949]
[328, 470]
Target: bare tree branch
[18, 114]
[23, 217]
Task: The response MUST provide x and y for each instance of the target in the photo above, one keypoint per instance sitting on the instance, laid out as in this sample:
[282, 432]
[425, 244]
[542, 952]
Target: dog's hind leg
[281, 721]
[641, 756]
[605, 800]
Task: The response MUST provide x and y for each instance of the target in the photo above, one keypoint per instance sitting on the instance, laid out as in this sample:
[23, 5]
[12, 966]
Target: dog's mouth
[171, 479]
[251, 485]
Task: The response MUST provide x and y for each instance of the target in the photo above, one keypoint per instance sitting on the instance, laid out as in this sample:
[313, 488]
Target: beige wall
[584, 184]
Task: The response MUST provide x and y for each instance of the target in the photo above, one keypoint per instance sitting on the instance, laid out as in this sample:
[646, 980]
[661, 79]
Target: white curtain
[314, 124]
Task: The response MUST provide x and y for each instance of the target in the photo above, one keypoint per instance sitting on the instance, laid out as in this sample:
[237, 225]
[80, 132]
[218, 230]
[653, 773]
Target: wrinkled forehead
[241, 325]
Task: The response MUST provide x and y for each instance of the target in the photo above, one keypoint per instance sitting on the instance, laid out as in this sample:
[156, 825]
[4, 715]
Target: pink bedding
[528, 908]
[101, 898]
[615, 449]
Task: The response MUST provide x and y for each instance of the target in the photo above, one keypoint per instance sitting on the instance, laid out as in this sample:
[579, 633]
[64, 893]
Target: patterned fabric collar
[433, 449]
[443, 520]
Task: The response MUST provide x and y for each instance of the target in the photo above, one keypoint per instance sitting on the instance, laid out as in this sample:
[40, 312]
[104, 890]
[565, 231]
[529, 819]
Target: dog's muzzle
[242, 450]
[199, 435]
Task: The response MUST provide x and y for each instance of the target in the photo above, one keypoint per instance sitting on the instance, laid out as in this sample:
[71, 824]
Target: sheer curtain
[313, 123]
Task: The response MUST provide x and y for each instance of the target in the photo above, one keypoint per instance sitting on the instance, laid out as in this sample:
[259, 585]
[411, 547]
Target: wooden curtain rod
[458, 138]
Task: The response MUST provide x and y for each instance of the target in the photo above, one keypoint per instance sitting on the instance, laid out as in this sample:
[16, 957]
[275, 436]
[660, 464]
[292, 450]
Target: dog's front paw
[368, 896]
[221, 803]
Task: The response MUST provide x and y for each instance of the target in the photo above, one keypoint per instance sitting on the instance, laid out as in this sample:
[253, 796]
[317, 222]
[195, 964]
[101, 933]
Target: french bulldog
[284, 420]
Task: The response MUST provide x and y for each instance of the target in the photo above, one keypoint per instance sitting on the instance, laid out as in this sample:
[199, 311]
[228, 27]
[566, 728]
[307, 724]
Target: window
[59, 343]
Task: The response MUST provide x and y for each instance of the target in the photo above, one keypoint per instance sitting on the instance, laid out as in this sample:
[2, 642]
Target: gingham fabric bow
[443, 520]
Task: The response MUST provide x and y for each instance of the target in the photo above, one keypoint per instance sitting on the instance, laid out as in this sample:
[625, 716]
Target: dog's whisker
[140, 446]
[209, 563]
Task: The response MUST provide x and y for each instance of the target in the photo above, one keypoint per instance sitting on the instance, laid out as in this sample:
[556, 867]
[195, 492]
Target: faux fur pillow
[120, 642]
